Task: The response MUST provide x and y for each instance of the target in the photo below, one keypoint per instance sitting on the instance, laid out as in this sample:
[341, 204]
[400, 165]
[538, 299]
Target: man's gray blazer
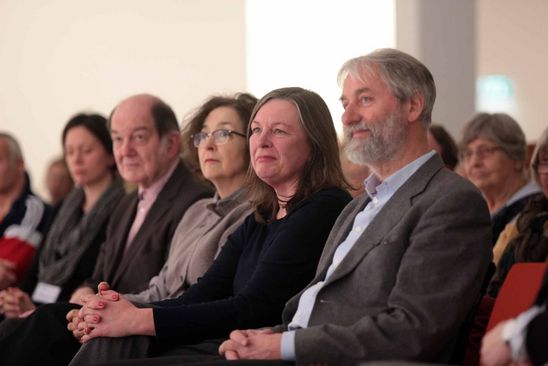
[132, 270]
[410, 280]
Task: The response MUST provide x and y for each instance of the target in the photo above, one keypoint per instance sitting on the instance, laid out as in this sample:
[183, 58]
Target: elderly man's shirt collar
[376, 189]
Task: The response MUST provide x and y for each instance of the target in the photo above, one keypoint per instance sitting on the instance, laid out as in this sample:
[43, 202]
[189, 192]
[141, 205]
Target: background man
[23, 216]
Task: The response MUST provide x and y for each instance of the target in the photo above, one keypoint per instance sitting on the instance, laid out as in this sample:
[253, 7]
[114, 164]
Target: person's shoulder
[35, 200]
[186, 181]
[448, 189]
[326, 203]
[199, 208]
[449, 182]
[39, 209]
[334, 194]
[128, 199]
[248, 225]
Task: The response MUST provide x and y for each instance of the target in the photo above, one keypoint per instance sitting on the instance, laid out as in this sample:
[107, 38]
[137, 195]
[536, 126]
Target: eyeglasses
[219, 136]
[482, 152]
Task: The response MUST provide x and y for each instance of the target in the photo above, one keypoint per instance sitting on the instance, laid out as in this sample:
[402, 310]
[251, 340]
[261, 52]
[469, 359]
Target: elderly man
[405, 261]
[23, 216]
[146, 144]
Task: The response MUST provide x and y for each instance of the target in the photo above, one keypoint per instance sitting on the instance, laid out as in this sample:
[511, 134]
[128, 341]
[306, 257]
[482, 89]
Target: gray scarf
[71, 234]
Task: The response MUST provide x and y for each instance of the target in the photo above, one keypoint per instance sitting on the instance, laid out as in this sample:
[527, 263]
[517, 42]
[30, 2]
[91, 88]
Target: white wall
[441, 33]
[59, 57]
[305, 42]
[512, 40]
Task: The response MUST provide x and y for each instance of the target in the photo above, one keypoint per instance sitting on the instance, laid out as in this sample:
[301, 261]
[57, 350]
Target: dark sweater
[258, 270]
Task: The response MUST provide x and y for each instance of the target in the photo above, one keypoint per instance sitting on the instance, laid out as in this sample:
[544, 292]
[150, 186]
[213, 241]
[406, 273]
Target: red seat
[517, 292]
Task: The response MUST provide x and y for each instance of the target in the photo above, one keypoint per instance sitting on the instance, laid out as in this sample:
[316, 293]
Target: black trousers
[40, 339]
[205, 353]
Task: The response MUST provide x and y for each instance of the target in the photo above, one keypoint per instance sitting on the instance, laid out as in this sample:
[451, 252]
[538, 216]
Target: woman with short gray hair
[528, 241]
[493, 154]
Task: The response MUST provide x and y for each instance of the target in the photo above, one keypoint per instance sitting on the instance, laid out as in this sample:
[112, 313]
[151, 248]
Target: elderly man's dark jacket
[130, 271]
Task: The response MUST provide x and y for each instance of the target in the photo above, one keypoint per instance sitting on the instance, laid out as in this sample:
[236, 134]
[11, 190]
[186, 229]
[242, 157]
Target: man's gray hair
[405, 76]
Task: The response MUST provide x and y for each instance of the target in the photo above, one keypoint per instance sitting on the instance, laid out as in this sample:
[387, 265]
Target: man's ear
[415, 107]
[174, 143]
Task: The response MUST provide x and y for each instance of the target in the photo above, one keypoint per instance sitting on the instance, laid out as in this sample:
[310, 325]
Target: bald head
[146, 104]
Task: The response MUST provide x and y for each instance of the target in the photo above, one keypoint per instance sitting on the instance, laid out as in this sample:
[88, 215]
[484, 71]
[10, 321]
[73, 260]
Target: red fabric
[516, 295]
[518, 292]
[18, 252]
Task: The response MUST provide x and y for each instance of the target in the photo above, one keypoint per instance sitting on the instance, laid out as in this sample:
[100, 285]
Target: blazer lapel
[341, 231]
[393, 211]
[121, 235]
[156, 212]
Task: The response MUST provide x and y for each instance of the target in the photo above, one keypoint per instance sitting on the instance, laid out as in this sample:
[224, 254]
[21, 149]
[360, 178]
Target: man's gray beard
[383, 142]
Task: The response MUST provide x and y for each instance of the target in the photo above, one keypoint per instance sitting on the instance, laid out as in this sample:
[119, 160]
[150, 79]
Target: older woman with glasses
[493, 155]
[530, 241]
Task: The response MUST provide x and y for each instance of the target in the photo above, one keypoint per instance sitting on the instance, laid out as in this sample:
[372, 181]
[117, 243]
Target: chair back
[518, 292]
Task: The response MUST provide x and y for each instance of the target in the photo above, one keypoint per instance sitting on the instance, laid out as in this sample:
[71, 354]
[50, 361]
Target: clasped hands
[256, 344]
[102, 315]
[15, 303]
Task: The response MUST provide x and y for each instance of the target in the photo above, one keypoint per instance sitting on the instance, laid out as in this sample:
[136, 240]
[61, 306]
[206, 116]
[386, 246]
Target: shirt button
[375, 200]
[358, 229]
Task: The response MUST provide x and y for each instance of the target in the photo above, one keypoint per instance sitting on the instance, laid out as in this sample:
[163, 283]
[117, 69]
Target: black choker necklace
[283, 203]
